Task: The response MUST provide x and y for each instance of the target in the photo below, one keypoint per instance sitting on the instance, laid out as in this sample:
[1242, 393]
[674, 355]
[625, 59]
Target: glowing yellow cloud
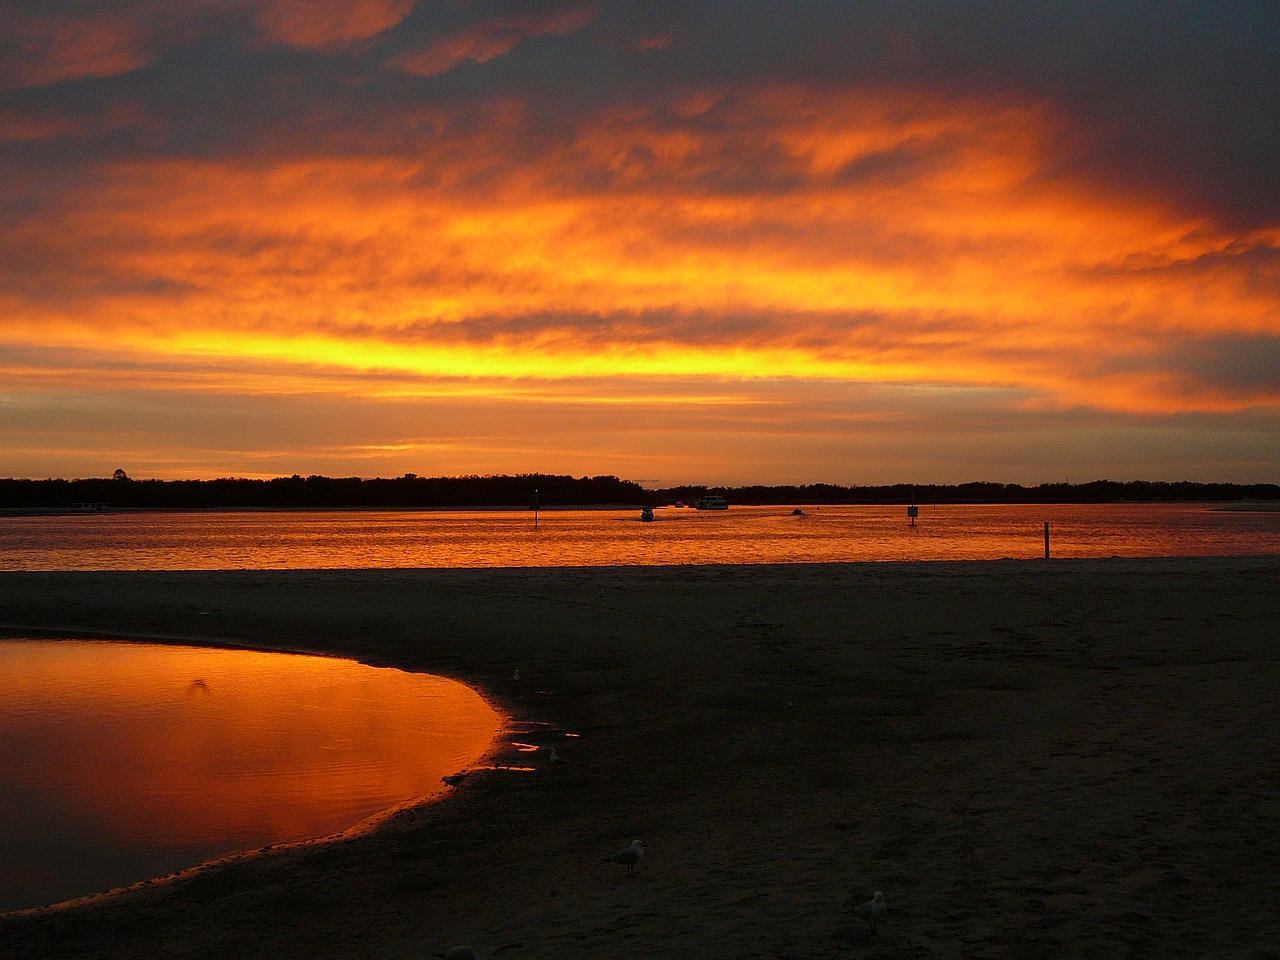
[891, 237]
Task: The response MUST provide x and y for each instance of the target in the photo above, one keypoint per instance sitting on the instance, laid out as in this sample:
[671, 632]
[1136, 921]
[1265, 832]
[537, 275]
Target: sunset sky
[680, 242]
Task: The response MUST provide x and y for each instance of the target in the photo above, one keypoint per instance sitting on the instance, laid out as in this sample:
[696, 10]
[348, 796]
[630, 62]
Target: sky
[673, 241]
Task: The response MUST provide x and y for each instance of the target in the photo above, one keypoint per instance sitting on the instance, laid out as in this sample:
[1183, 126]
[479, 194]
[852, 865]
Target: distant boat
[711, 503]
[646, 514]
[678, 503]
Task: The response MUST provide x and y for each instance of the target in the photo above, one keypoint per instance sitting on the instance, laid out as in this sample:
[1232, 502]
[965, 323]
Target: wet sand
[1030, 759]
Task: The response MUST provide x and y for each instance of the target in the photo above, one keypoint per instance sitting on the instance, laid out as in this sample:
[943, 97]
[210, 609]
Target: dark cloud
[1241, 367]
[501, 28]
[1181, 99]
[1176, 100]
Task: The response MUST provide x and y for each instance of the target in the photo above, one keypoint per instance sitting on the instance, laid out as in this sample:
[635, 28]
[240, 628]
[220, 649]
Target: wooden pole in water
[1046, 539]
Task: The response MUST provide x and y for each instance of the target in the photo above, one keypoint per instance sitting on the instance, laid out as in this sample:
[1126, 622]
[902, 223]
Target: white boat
[711, 502]
[646, 514]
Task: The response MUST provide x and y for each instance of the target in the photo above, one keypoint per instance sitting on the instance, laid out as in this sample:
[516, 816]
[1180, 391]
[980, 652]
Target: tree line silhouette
[1097, 491]
[411, 491]
[316, 492]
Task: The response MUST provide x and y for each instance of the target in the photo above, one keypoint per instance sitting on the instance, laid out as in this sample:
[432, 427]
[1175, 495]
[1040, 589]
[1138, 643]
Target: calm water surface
[126, 761]
[345, 539]
[122, 762]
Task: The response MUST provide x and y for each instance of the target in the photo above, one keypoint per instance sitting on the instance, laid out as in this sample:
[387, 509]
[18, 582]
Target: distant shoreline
[108, 509]
[547, 492]
[1227, 506]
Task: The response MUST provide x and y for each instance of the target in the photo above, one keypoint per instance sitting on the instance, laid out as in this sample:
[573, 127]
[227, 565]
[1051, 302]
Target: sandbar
[1029, 758]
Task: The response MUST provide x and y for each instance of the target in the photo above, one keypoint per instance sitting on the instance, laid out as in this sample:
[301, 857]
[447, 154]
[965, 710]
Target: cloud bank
[811, 245]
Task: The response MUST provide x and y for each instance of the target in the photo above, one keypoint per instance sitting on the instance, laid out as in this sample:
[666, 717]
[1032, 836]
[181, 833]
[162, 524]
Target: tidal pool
[122, 762]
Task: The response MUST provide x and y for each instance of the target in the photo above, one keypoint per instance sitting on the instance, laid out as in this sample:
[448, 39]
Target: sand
[1030, 758]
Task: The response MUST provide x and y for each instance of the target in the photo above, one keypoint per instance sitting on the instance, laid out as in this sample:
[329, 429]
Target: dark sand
[1030, 759]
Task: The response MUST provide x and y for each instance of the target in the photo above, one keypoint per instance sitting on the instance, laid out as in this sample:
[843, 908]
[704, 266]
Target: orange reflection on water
[158, 747]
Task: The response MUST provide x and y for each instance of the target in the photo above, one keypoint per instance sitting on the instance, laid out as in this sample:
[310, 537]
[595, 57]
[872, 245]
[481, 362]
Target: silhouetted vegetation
[411, 491]
[316, 492]
[1098, 491]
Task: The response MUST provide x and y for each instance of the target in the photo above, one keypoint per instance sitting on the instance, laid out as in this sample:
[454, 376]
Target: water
[350, 539]
[123, 761]
[163, 757]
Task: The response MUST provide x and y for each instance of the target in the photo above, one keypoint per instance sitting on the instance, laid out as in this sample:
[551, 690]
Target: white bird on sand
[553, 757]
[873, 910]
[630, 856]
[458, 953]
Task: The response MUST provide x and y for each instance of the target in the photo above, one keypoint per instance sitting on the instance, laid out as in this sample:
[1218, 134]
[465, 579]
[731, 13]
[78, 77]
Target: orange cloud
[51, 47]
[322, 24]
[488, 39]
[889, 238]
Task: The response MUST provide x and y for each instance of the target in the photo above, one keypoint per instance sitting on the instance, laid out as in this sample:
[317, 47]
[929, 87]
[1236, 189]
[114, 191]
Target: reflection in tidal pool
[125, 761]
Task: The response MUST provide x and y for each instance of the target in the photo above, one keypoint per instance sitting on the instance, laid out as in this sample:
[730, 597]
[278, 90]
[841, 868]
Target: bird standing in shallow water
[873, 910]
[630, 856]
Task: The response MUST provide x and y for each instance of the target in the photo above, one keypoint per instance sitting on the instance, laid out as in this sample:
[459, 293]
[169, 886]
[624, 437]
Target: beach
[1066, 758]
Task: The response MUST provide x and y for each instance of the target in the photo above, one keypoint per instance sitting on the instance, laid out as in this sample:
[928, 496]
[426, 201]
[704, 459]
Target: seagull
[555, 758]
[515, 677]
[873, 910]
[453, 779]
[630, 856]
[458, 953]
